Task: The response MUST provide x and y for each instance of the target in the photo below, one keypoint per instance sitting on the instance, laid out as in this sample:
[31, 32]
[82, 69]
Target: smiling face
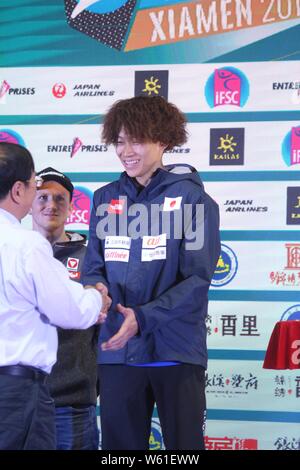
[51, 208]
[140, 159]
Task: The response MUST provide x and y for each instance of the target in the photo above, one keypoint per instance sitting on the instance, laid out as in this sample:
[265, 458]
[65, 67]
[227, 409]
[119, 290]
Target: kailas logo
[293, 206]
[59, 90]
[291, 147]
[151, 83]
[227, 146]
[104, 20]
[77, 144]
[227, 86]
[80, 216]
[227, 267]
[10, 136]
[292, 313]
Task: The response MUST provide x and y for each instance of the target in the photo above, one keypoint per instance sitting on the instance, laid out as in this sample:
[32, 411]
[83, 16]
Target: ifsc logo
[227, 86]
[292, 313]
[290, 148]
[11, 136]
[82, 203]
[226, 268]
[104, 20]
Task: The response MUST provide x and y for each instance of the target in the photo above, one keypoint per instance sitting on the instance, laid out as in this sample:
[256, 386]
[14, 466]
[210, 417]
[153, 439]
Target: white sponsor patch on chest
[154, 247]
[155, 241]
[117, 242]
[157, 253]
[117, 248]
[116, 254]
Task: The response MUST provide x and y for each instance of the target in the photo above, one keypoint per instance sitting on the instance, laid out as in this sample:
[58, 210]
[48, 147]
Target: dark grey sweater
[73, 380]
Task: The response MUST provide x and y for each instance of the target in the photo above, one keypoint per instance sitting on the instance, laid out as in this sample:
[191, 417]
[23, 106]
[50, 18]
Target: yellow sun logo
[227, 144]
[151, 86]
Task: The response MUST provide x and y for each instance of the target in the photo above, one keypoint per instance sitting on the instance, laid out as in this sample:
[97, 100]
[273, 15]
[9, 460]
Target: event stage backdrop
[233, 66]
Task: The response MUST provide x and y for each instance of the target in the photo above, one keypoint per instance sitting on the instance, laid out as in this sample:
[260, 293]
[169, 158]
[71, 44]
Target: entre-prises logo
[139, 221]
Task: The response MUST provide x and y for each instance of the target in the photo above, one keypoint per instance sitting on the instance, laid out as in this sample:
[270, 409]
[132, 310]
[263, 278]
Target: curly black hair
[146, 119]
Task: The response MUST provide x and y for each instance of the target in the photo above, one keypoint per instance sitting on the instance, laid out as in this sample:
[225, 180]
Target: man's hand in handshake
[128, 329]
[106, 301]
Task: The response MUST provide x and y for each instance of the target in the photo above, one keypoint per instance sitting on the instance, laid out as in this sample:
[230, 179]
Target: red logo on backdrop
[59, 90]
[293, 255]
[116, 206]
[290, 276]
[228, 443]
[72, 264]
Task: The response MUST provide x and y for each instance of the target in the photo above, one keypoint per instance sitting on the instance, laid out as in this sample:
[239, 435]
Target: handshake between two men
[106, 301]
[129, 327]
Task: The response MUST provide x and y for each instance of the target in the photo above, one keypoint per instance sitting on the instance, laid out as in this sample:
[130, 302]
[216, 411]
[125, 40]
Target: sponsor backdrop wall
[233, 66]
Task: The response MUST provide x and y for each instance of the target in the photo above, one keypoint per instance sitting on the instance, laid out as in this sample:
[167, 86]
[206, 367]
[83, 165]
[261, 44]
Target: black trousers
[27, 415]
[127, 397]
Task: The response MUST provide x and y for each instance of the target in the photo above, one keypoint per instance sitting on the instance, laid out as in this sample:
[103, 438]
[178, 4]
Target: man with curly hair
[153, 344]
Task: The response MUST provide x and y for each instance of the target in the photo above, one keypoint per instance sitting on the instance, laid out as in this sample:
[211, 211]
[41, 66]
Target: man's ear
[17, 192]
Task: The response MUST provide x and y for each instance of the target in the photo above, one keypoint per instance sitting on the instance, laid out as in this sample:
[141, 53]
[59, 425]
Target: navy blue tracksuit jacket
[148, 268]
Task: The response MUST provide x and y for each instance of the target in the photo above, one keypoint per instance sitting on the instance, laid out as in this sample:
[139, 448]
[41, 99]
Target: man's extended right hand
[106, 300]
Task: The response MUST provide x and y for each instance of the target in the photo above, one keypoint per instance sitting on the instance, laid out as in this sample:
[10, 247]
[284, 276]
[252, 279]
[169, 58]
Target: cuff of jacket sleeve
[140, 318]
[92, 281]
